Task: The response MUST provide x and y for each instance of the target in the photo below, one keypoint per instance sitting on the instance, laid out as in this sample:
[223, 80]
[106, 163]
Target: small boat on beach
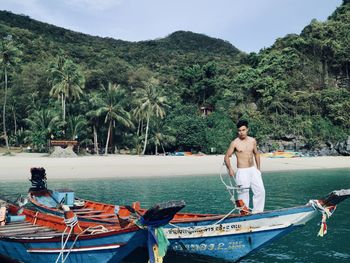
[227, 237]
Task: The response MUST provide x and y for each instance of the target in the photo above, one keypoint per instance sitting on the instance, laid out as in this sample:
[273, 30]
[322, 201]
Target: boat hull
[236, 237]
[105, 248]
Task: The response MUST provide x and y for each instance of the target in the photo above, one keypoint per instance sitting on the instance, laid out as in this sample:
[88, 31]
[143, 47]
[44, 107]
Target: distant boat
[226, 237]
[282, 154]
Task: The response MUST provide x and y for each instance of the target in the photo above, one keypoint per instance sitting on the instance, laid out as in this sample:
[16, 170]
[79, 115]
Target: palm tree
[94, 117]
[42, 124]
[75, 125]
[139, 115]
[112, 109]
[67, 81]
[161, 139]
[151, 103]
[9, 57]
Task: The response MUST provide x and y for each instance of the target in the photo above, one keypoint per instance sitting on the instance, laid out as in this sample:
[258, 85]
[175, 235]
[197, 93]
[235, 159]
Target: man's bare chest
[244, 147]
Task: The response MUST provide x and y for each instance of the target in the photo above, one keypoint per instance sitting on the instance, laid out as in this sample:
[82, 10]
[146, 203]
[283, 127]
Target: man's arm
[256, 155]
[228, 154]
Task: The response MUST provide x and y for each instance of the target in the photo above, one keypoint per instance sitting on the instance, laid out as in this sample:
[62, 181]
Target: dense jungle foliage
[149, 96]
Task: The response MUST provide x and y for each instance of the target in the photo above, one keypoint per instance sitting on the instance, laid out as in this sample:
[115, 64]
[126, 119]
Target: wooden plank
[15, 223]
[101, 216]
[10, 225]
[89, 212]
[81, 209]
[16, 227]
[33, 228]
[25, 233]
[42, 234]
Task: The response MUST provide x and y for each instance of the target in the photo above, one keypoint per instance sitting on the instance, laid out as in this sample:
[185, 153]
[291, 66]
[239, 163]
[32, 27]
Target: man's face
[242, 132]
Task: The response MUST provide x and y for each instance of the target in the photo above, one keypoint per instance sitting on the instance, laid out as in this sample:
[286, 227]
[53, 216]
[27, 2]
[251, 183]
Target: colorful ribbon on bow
[327, 212]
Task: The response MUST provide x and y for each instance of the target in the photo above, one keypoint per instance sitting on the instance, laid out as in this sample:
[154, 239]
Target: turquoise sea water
[206, 194]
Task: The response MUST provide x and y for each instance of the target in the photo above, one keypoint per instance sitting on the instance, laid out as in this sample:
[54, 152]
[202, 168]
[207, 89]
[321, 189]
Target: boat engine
[38, 179]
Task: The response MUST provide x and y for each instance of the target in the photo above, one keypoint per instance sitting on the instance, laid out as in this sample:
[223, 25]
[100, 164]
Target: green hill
[299, 88]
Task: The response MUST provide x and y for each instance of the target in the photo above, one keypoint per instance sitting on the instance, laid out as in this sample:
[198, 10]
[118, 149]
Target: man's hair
[241, 123]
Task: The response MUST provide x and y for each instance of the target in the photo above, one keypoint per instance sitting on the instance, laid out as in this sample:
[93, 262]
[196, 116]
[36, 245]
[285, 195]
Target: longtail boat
[227, 237]
[30, 236]
[232, 237]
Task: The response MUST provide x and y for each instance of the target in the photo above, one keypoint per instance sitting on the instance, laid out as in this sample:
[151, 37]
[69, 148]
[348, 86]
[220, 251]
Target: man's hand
[231, 173]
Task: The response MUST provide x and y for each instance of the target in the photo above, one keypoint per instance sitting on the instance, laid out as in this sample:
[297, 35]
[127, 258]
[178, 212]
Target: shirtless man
[247, 175]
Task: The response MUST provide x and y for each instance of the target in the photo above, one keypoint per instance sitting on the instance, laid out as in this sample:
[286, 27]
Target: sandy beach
[17, 167]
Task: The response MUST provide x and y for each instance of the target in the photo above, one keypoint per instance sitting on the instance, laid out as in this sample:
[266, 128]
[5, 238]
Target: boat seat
[107, 215]
[88, 212]
[102, 216]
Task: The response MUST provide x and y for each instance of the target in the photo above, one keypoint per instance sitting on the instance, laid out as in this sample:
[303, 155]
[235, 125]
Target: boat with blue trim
[36, 237]
[233, 237]
[31, 236]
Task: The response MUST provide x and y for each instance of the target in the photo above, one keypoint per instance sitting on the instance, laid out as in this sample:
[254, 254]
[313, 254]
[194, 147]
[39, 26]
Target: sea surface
[207, 194]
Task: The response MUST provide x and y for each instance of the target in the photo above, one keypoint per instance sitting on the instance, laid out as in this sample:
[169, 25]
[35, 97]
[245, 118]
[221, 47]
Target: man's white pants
[251, 178]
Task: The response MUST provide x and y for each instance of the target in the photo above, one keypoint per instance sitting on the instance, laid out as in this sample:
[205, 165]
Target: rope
[63, 245]
[71, 223]
[96, 229]
[232, 188]
[327, 212]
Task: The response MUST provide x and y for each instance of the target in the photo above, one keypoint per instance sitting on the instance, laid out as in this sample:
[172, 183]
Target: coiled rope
[71, 223]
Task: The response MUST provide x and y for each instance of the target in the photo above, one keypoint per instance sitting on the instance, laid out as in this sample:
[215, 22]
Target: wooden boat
[227, 237]
[40, 238]
[85, 210]
[233, 237]
[50, 201]
[31, 236]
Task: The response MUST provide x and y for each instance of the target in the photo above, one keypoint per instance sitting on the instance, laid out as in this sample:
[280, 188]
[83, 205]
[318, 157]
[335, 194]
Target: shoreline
[132, 166]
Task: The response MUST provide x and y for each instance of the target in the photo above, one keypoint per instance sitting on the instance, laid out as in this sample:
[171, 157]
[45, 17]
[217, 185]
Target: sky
[249, 25]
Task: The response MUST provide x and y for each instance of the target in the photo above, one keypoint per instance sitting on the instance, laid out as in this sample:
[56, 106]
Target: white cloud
[21, 6]
[99, 5]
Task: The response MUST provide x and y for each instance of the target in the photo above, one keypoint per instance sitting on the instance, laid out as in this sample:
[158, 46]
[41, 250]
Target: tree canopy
[300, 86]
